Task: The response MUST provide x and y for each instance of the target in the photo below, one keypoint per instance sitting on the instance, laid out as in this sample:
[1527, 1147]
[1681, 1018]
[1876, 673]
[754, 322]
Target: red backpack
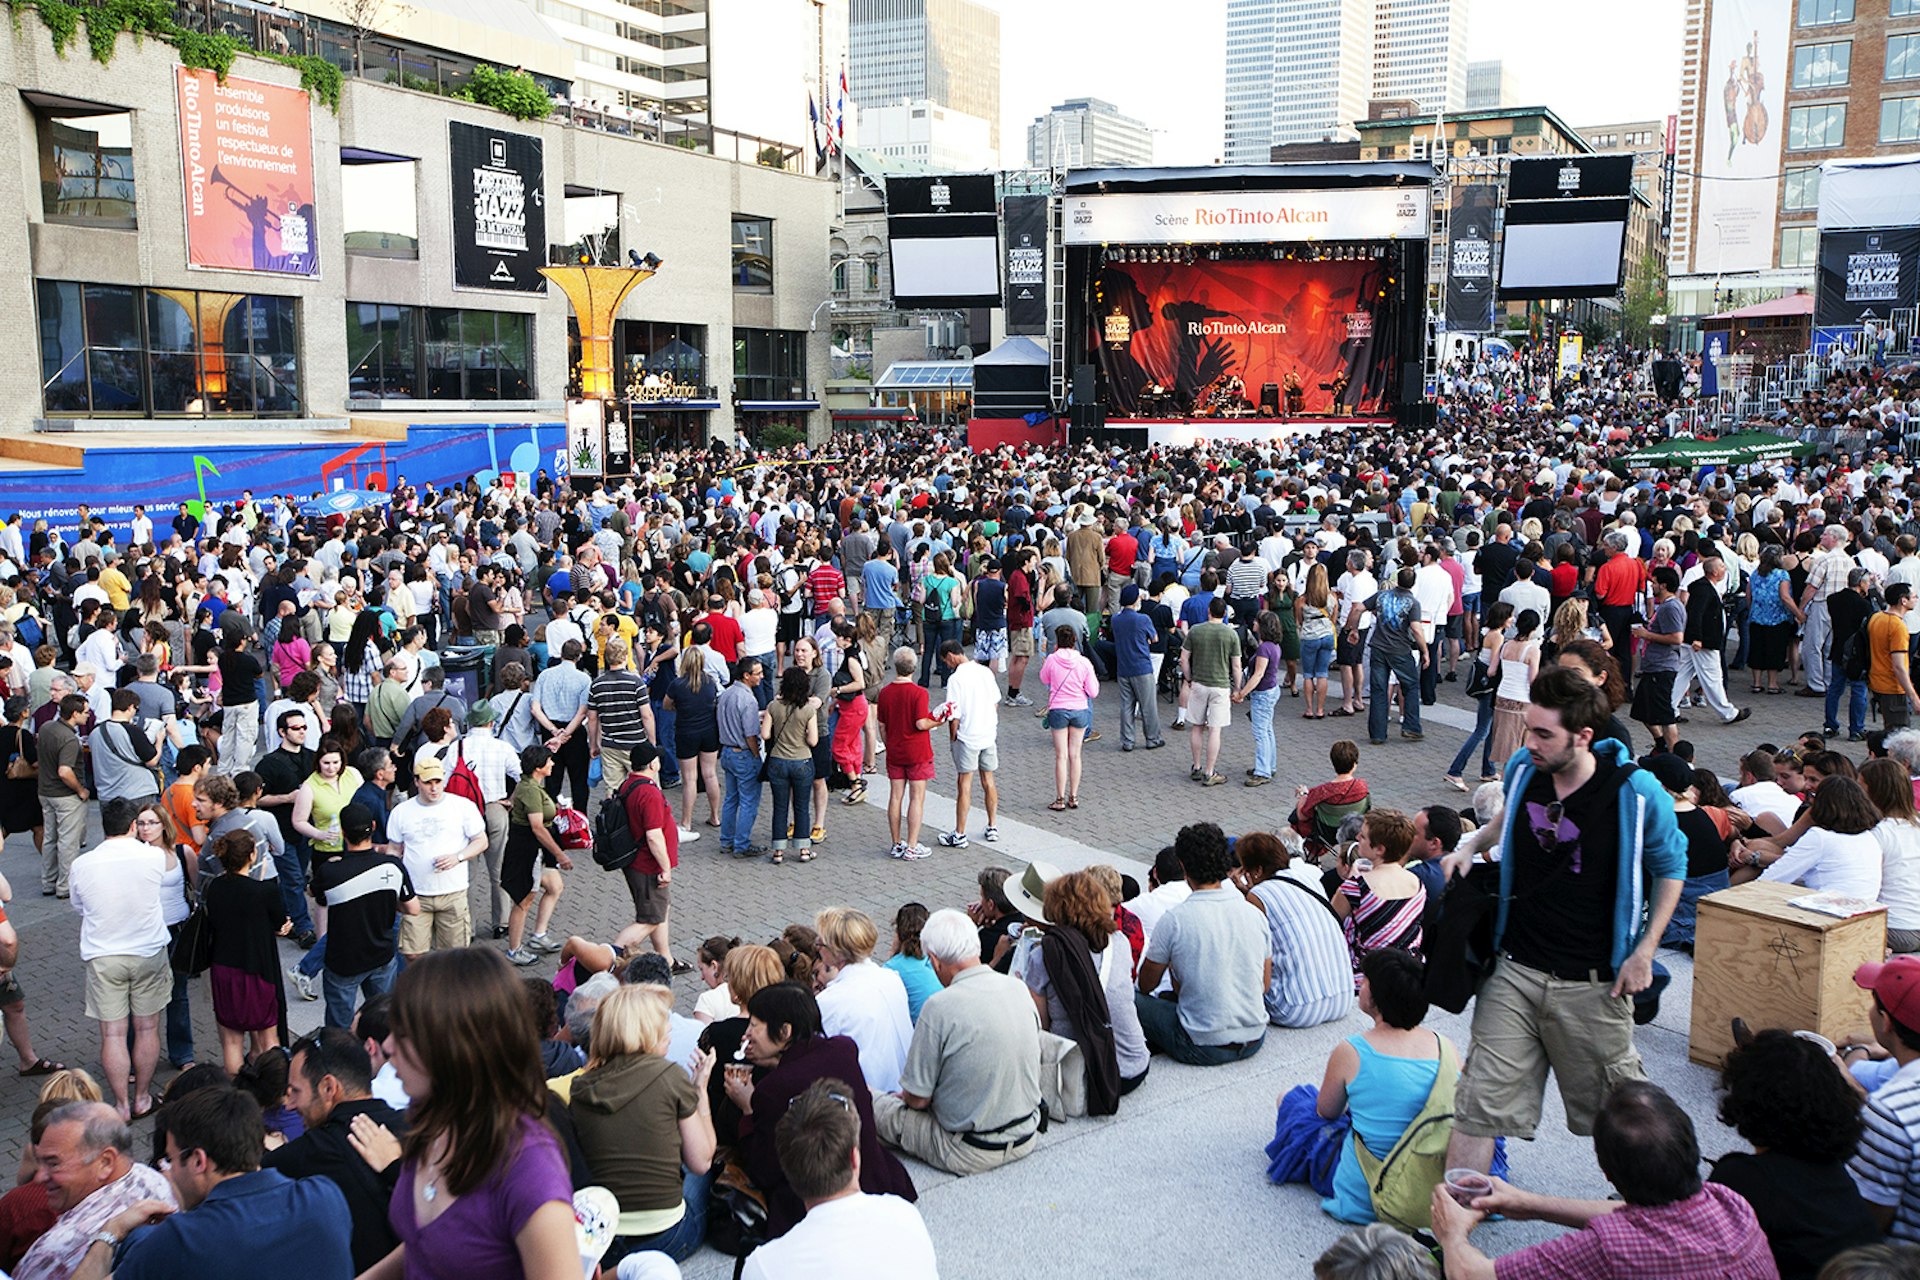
[463, 781]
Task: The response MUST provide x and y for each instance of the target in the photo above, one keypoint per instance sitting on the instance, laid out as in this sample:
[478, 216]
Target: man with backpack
[654, 835]
[1592, 867]
[484, 770]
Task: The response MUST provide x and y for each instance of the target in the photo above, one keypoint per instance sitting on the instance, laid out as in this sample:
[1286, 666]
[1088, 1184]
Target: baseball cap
[356, 822]
[1130, 595]
[430, 770]
[1896, 983]
[642, 755]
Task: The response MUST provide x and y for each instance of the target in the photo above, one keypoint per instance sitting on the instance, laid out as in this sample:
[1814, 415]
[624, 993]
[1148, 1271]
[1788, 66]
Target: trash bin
[469, 670]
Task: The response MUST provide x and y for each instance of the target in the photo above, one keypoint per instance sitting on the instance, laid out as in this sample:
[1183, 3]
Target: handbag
[1480, 681]
[19, 769]
[193, 944]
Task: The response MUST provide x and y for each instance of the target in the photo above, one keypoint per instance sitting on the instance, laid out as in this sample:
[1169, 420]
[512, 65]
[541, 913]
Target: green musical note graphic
[198, 507]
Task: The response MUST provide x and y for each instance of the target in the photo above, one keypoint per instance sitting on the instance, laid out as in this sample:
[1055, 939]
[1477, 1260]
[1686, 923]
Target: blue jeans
[179, 1019]
[342, 991]
[937, 631]
[792, 781]
[741, 804]
[663, 721]
[680, 1240]
[291, 868]
[1692, 889]
[1856, 691]
[1315, 657]
[1260, 705]
[1409, 672]
[1160, 1020]
[1482, 737]
[314, 960]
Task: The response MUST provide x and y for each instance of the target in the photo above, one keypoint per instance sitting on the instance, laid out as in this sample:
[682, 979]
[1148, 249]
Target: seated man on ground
[969, 1095]
[1310, 978]
[1667, 1222]
[1216, 952]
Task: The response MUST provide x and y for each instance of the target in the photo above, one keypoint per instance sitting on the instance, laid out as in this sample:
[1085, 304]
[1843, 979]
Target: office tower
[1087, 132]
[946, 52]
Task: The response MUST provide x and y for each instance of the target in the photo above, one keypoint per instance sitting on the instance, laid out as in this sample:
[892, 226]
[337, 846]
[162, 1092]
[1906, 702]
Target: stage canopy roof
[926, 375]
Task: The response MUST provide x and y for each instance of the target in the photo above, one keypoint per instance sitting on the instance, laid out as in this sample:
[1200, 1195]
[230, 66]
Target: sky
[1166, 69]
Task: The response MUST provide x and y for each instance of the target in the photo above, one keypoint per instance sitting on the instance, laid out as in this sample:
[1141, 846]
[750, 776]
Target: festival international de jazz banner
[1470, 272]
[246, 152]
[499, 209]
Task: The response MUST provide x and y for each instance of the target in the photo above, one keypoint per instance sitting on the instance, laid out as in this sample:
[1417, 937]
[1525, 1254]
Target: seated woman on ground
[1376, 1082]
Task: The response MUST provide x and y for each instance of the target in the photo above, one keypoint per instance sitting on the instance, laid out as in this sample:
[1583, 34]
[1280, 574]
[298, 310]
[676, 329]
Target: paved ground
[1186, 1148]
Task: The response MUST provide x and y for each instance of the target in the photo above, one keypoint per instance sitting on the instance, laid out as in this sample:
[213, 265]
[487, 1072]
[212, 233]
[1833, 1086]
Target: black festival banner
[1470, 273]
[1025, 234]
[1866, 275]
[499, 209]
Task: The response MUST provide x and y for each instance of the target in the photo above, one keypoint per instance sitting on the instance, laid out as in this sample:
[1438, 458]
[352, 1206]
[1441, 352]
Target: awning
[1727, 451]
[926, 375]
[775, 406]
[901, 414]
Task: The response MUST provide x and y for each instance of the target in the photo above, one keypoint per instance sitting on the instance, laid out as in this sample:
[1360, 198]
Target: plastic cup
[1467, 1185]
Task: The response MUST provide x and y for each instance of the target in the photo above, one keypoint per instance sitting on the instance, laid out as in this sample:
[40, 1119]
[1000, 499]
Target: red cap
[1897, 984]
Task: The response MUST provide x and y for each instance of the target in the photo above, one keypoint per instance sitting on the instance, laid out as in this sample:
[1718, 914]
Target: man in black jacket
[329, 1086]
[1705, 640]
[1847, 614]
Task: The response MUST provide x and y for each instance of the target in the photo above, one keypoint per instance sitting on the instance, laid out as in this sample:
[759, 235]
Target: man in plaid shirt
[1669, 1224]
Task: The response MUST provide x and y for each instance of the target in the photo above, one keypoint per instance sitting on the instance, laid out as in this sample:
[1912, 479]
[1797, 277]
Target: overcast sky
[1161, 62]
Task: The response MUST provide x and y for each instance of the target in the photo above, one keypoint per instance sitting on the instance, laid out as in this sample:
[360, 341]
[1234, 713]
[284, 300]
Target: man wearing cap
[1134, 636]
[435, 836]
[1886, 1167]
[362, 889]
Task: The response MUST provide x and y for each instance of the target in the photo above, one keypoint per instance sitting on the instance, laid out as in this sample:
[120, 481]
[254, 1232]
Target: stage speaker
[1412, 383]
[1666, 379]
[1417, 414]
[1084, 385]
[1087, 423]
[1270, 399]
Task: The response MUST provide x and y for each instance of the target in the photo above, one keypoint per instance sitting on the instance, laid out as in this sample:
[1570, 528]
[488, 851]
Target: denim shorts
[1061, 718]
[1315, 656]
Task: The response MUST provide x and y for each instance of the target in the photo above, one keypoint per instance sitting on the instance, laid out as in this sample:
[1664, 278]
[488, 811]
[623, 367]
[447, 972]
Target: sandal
[1059, 804]
[819, 835]
[806, 855]
[1073, 802]
[779, 857]
[43, 1067]
[1453, 782]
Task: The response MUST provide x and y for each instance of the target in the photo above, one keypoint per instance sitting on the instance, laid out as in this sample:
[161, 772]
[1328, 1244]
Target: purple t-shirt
[474, 1239]
[1271, 676]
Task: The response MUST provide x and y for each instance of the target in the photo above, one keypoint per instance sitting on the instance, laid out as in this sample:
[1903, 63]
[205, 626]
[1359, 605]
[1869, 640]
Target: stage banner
[1866, 275]
[1739, 142]
[1025, 219]
[1189, 339]
[1220, 217]
[246, 163]
[499, 209]
[1470, 272]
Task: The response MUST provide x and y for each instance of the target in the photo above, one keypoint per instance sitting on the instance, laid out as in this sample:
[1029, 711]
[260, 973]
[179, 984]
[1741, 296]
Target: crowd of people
[392, 739]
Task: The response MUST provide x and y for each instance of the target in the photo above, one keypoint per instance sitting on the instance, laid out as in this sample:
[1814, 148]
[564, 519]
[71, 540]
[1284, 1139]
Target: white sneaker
[991, 835]
[304, 985]
[541, 943]
[916, 852]
[954, 839]
[522, 958]
[899, 849]
[688, 835]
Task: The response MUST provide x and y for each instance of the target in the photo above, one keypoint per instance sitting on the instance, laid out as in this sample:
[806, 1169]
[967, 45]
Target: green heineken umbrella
[1736, 450]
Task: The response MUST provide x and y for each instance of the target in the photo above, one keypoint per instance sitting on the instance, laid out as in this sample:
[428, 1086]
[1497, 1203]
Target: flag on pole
[840, 111]
[813, 133]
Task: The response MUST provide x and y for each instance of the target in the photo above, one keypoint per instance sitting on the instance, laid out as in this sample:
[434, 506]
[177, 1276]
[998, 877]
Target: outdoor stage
[985, 434]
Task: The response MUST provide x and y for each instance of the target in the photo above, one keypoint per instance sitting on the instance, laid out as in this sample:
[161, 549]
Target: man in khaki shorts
[1592, 868]
[1210, 661]
[436, 836]
[123, 943]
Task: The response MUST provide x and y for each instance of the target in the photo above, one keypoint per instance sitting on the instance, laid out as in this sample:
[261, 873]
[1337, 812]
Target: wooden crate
[1757, 958]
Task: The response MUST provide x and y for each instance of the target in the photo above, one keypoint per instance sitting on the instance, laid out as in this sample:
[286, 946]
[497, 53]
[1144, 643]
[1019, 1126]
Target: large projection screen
[1563, 249]
[947, 272]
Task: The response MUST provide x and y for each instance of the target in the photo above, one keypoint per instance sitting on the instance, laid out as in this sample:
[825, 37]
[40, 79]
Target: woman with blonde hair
[1313, 614]
[640, 1119]
[1569, 624]
[860, 999]
[876, 659]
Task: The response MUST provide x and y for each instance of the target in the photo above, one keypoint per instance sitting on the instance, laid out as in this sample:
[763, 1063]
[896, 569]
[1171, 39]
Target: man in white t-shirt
[436, 836]
[1773, 807]
[123, 945]
[1355, 586]
[973, 729]
[846, 1234]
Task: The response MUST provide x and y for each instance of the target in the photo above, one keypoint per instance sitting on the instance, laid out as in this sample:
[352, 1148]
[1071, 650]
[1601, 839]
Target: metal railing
[1759, 392]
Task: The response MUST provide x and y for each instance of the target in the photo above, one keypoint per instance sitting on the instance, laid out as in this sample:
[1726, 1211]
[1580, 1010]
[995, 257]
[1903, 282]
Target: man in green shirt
[1211, 662]
[388, 702]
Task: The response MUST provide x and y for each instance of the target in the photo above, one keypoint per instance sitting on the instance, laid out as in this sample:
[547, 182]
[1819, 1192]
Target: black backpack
[614, 844]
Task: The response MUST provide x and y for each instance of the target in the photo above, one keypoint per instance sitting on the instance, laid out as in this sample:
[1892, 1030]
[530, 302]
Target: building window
[1903, 57]
[119, 352]
[1825, 13]
[1799, 246]
[753, 255]
[1903, 8]
[1811, 128]
[86, 167]
[383, 351]
[1900, 120]
[769, 364]
[476, 355]
[840, 277]
[1802, 192]
[1824, 66]
[379, 206]
[657, 352]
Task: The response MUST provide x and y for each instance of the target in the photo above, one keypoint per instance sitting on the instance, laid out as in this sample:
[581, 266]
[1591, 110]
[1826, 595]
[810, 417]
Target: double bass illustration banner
[1742, 96]
[246, 167]
[1190, 327]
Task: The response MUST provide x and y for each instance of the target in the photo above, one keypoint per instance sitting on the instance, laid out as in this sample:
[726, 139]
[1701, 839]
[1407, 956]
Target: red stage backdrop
[1188, 326]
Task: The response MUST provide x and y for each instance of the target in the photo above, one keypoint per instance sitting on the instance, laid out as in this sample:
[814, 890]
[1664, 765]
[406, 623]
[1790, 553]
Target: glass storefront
[435, 353]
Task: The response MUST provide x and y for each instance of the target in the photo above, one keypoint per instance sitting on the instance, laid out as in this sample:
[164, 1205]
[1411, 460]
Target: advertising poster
[586, 438]
[1195, 329]
[1026, 271]
[499, 209]
[1743, 121]
[1470, 259]
[246, 164]
[1866, 275]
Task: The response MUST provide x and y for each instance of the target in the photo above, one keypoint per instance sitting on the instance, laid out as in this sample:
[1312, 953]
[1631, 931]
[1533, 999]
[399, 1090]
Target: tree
[369, 17]
[1646, 297]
